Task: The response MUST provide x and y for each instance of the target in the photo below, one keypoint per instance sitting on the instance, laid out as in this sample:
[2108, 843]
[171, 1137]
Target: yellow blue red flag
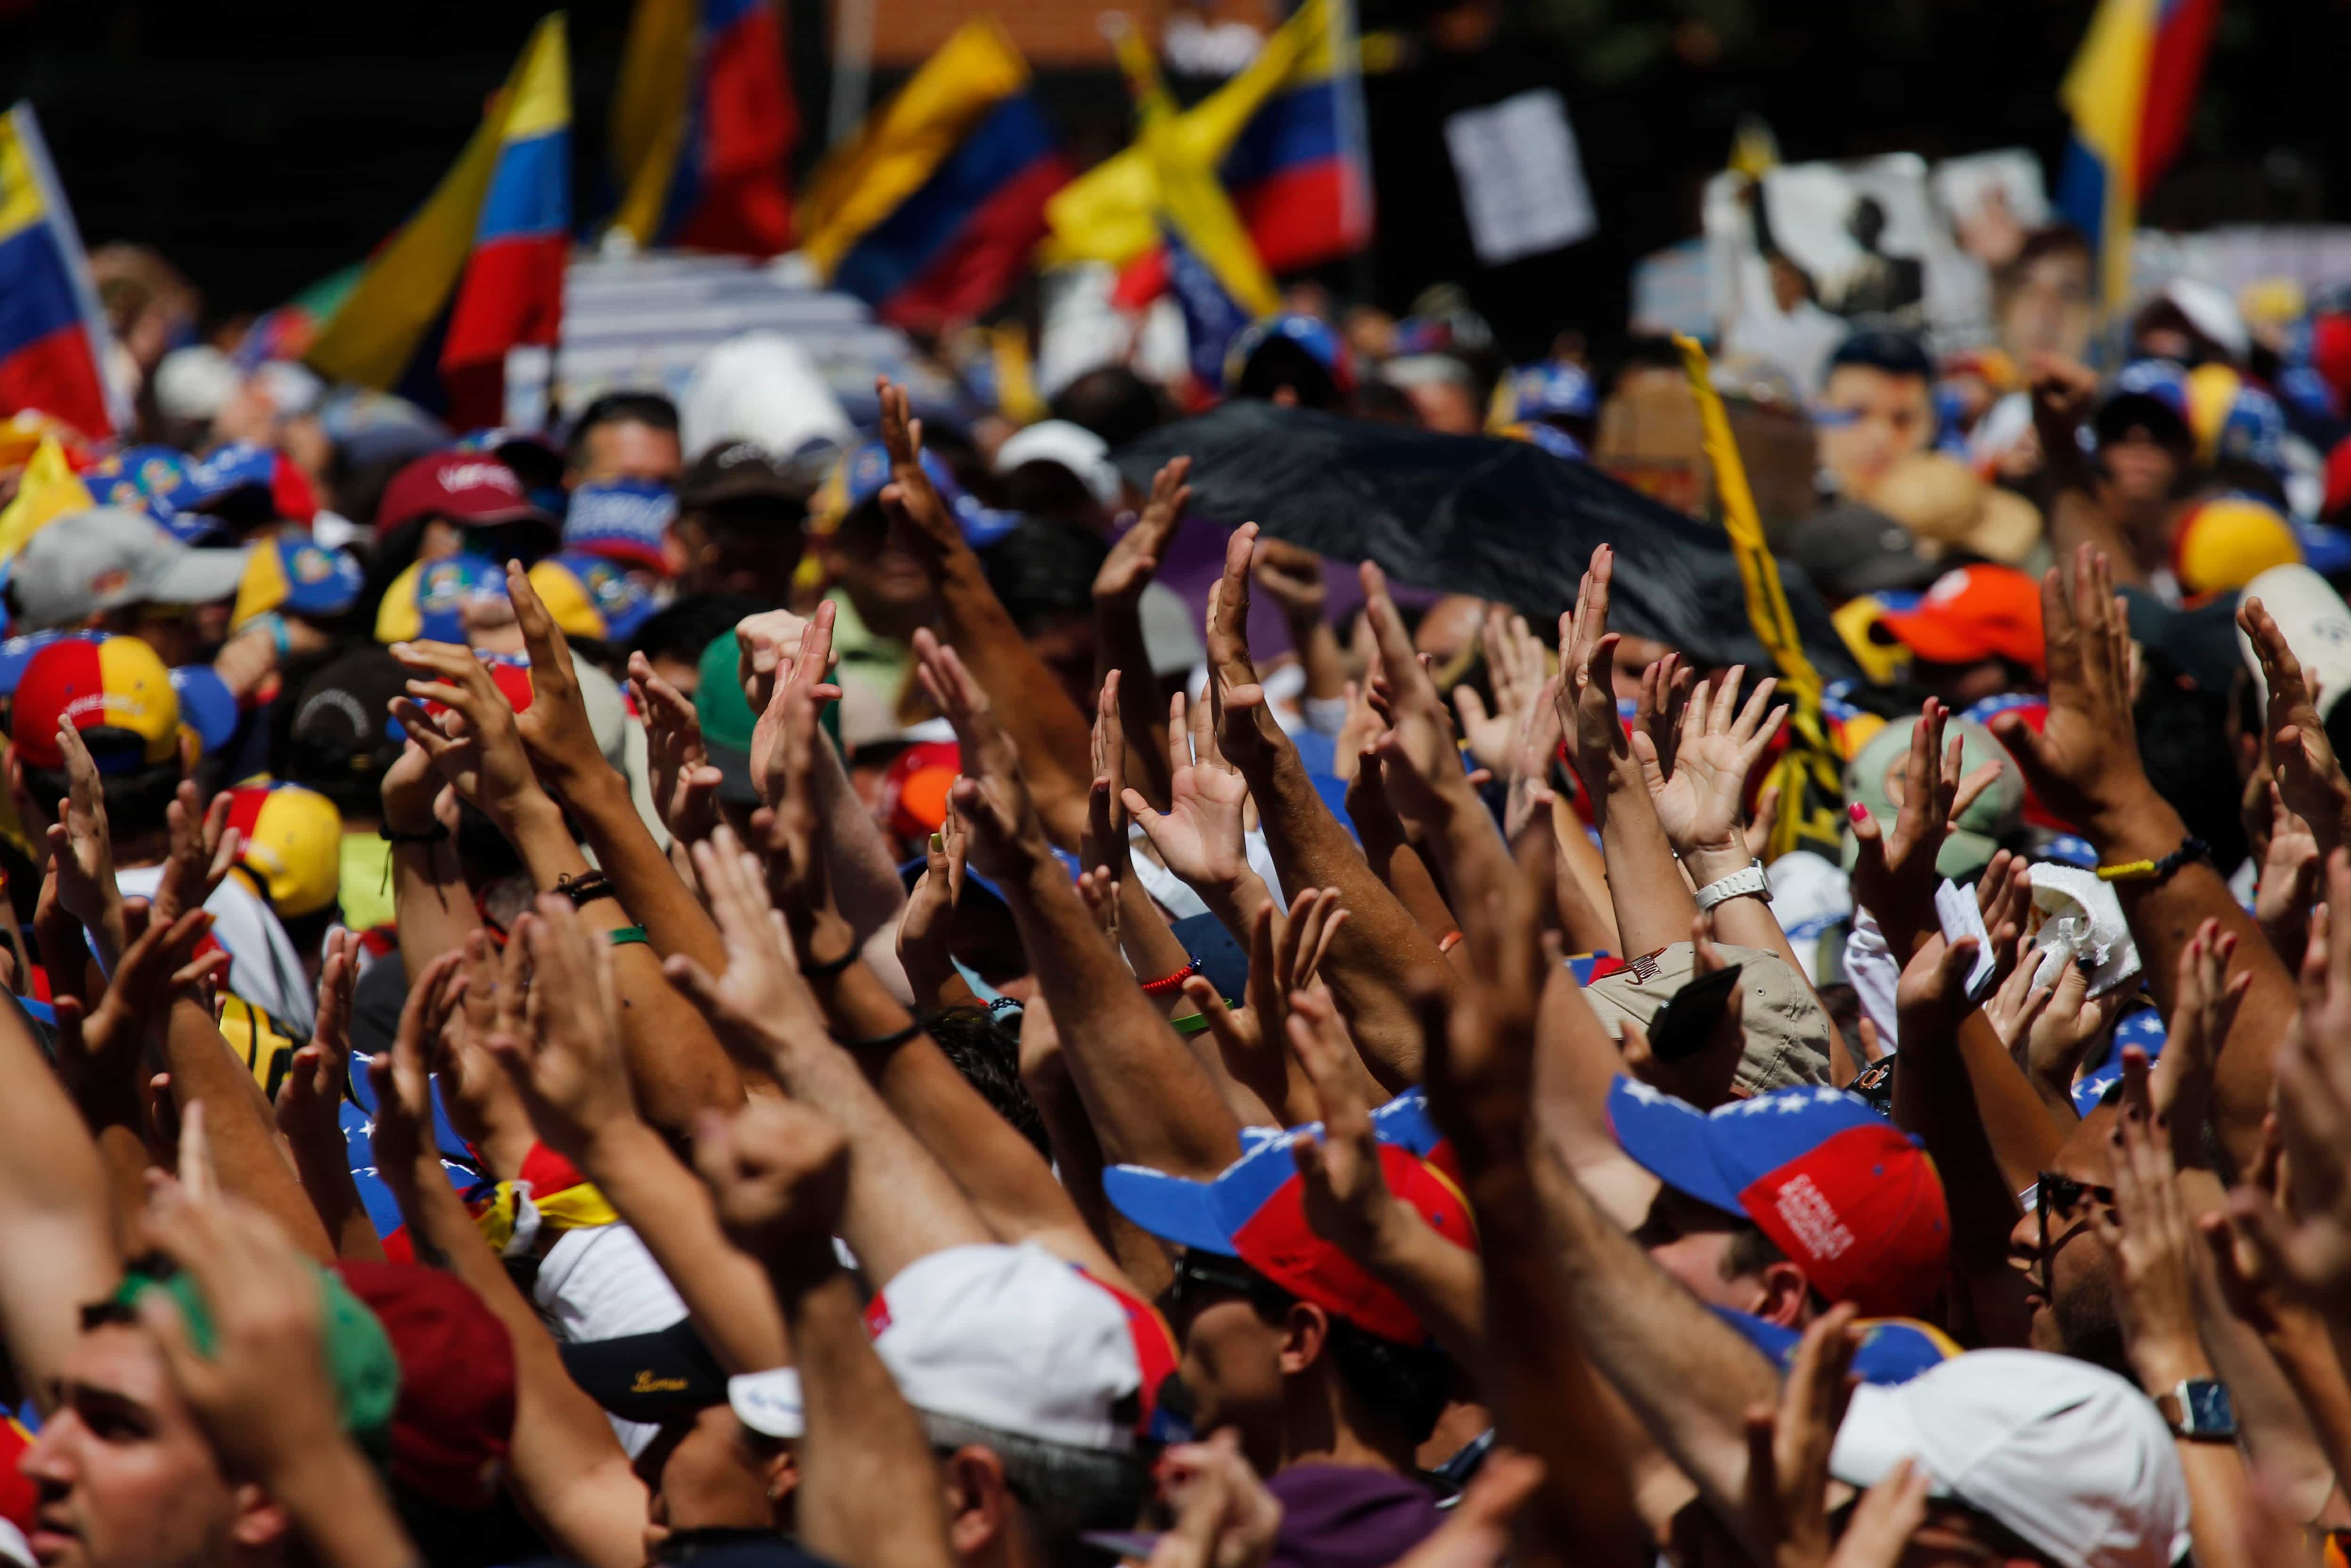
[702, 127]
[2131, 91]
[53, 338]
[931, 211]
[480, 270]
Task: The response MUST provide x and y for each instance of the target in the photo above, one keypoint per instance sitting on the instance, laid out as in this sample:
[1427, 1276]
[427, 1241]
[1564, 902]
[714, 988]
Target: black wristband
[586, 888]
[900, 1038]
[830, 968]
[436, 835]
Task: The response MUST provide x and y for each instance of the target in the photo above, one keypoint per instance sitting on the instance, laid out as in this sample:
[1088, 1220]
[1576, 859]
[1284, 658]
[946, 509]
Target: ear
[1785, 1291]
[781, 1473]
[979, 1505]
[1305, 1330]
[29, 811]
[261, 1523]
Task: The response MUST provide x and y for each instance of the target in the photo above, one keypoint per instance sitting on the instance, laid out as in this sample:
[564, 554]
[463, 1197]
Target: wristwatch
[1748, 880]
[2200, 1410]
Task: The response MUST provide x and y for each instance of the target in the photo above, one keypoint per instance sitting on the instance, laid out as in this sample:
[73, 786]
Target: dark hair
[685, 627]
[988, 1057]
[1043, 571]
[2181, 730]
[626, 407]
[1408, 1384]
[1279, 363]
[1894, 353]
[1114, 403]
[136, 800]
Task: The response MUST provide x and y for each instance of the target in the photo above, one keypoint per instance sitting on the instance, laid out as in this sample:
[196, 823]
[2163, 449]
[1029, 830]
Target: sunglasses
[2062, 1196]
[1202, 1277]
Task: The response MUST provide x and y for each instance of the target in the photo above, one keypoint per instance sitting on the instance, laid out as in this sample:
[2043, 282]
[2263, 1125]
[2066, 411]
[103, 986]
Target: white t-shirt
[263, 969]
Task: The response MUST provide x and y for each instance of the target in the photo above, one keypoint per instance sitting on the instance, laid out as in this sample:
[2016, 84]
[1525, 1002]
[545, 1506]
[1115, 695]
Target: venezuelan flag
[480, 270]
[703, 124]
[1214, 272]
[1285, 136]
[53, 338]
[2131, 91]
[930, 212]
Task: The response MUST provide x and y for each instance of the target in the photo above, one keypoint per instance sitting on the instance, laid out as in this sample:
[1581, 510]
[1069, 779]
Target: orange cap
[1974, 613]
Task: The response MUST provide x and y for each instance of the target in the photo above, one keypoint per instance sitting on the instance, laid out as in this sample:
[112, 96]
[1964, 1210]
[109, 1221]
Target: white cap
[2317, 627]
[108, 557]
[2211, 312]
[769, 1402]
[762, 387]
[1011, 1338]
[195, 383]
[1073, 446]
[2071, 1458]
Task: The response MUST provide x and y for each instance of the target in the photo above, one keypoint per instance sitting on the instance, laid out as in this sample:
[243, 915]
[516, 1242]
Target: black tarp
[1479, 514]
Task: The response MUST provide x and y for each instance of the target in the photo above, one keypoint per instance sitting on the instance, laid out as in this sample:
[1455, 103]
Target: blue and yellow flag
[53, 337]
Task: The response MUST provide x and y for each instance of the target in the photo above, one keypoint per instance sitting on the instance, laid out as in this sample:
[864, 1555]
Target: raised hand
[81, 849]
[1657, 712]
[402, 1077]
[1234, 695]
[1586, 698]
[203, 848]
[2289, 879]
[1005, 834]
[1291, 576]
[684, 783]
[2203, 1010]
[792, 833]
[1895, 877]
[910, 493]
[1224, 1518]
[1284, 956]
[2153, 1244]
[761, 998]
[1105, 841]
[309, 1100]
[1347, 1198]
[2083, 761]
[99, 1051]
[778, 1172]
[1699, 805]
[555, 731]
[799, 680]
[1199, 836]
[473, 742]
[928, 921]
[1420, 758]
[2310, 776]
[559, 1039]
[1787, 1447]
[1133, 560]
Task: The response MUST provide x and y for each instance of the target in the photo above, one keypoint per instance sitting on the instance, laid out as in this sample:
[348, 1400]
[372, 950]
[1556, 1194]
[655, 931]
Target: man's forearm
[324, 1168]
[432, 907]
[1653, 903]
[238, 1125]
[858, 867]
[648, 883]
[1055, 740]
[60, 1246]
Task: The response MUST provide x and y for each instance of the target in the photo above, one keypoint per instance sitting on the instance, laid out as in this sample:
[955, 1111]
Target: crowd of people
[617, 998]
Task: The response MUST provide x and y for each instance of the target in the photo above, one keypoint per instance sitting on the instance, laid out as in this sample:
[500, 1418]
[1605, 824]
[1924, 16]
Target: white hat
[2211, 312]
[108, 557]
[1011, 1338]
[1073, 446]
[760, 387]
[2071, 1458]
[2317, 627]
[769, 1402]
[195, 383]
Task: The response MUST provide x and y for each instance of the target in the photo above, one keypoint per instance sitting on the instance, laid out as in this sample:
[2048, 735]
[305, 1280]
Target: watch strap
[1747, 880]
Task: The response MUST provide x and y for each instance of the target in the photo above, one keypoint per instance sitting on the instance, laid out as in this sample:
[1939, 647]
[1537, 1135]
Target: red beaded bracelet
[1167, 983]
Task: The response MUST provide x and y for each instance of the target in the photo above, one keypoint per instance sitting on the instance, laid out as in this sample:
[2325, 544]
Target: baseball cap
[137, 476]
[1886, 1350]
[2227, 541]
[1071, 447]
[295, 574]
[1552, 391]
[1313, 335]
[1837, 1186]
[465, 487]
[194, 382]
[739, 471]
[2209, 310]
[1975, 612]
[622, 521]
[2067, 1456]
[1944, 504]
[455, 1415]
[359, 1359]
[656, 1376]
[113, 689]
[864, 469]
[292, 844]
[427, 602]
[341, 739]
[590, 596]
[2232, 420]
[2151, 393]
[1850, 549]
[1989, 817]
[206, 706]
[914, 787]
[726, 722]
[1787, 1032]
[2317, 626]
[108, 557]
[1016, 1339]
[1255, 1209]
[253, 483]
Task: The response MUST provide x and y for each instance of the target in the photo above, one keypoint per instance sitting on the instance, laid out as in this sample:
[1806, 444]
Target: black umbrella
[1498, 519]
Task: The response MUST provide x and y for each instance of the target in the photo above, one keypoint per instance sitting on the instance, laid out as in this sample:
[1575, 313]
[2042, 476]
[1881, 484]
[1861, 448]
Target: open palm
[1199, 835]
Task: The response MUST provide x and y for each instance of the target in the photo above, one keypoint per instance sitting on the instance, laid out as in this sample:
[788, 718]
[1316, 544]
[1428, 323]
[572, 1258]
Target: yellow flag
[1191, 203]
[649, 111]
[47, 492]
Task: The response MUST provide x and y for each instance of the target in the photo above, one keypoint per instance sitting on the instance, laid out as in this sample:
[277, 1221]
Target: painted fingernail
[1857, 811]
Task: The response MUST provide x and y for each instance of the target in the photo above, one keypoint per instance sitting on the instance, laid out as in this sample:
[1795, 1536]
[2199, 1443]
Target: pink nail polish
[1857, 811]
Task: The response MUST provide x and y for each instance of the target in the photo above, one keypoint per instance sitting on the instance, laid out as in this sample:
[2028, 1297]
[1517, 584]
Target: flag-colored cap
[292, 844]
[426, 603]
[1841, 1190]
[101, 683]
[298, 575]
[622, 521]
[592, 597]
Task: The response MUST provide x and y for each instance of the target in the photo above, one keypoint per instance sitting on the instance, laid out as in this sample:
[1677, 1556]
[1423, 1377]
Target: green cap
[359, 1353]
[727, 719]
[1989, 815]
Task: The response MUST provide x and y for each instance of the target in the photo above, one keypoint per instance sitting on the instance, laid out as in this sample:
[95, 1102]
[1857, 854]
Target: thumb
[2025, 744]
[695, 983]
[1470, 707]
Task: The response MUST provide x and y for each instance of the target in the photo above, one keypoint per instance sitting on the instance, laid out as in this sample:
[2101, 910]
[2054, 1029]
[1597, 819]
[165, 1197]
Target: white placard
[1522, 178]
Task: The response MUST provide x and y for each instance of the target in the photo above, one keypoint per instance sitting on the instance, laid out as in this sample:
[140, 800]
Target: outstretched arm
[1124, 573]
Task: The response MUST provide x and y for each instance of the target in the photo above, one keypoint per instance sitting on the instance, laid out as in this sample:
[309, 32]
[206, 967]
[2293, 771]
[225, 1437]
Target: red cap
[915, 788]
[1975, 612]
[2338, 479]
[451, 1430]
[100, 683]
[470, 487]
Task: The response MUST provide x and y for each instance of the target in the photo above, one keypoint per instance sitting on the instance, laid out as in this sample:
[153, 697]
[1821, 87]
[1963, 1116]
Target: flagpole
[852, 69]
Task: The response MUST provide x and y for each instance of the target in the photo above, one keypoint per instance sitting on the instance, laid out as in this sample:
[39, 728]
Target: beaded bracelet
[1167, 983]
[2155, 871]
